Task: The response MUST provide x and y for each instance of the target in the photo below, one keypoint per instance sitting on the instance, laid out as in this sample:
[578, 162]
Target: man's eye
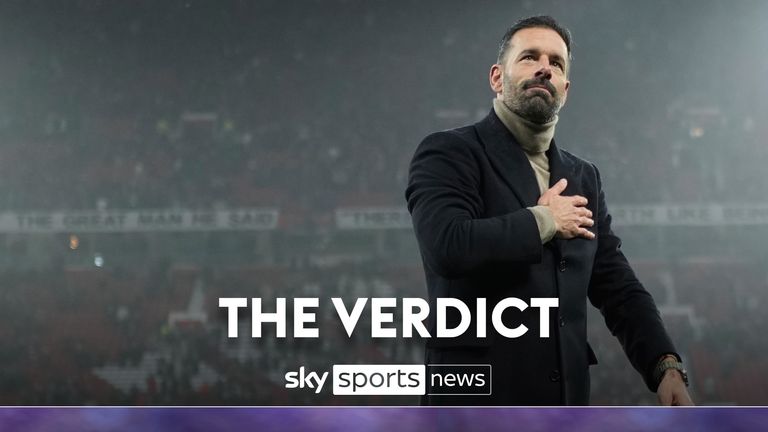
[528, 57]
[558, 64]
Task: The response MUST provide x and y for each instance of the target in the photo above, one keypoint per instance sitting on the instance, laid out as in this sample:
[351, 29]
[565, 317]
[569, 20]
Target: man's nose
[544, 72]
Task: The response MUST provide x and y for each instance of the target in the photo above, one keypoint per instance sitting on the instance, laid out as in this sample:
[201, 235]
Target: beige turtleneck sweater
[534, 138]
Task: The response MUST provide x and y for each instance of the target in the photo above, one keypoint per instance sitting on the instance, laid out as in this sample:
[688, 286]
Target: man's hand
[569, 212]
[672, 391]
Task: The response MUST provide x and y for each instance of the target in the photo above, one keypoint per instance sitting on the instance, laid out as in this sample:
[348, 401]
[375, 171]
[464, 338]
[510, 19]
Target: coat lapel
[560, 167]
[508, 159]
[511, 163]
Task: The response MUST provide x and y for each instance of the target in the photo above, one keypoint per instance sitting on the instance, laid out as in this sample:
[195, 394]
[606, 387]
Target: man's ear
[495, 78]
[565, 93]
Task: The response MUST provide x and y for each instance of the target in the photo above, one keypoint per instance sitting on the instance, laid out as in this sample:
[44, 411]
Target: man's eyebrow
[533, 51]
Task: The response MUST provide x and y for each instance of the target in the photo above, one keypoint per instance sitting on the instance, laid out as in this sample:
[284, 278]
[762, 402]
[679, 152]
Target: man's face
[532, 79]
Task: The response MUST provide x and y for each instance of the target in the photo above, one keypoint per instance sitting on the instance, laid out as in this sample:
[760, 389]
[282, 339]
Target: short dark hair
[544, 21]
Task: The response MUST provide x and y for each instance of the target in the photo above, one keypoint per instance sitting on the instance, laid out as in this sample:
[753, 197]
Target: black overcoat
[467, 193]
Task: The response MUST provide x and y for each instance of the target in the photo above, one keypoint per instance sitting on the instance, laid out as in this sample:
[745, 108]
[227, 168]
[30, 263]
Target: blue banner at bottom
[404, 419]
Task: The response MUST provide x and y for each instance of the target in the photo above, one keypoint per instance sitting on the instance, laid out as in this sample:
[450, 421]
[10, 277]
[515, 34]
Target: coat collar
[511, 163]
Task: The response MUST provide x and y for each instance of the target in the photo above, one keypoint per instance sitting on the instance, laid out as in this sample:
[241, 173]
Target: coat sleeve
[443, 196]
[629, 310]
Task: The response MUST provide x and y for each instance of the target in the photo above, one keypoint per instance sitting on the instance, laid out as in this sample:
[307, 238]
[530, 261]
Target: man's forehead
[540, 39]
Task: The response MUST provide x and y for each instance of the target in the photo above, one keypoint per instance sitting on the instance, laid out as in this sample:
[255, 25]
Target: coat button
[554, 376]
[562, 322]
[562, 265]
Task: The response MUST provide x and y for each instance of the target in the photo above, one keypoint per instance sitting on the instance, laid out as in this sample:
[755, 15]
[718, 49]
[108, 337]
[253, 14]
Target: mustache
[540, 83]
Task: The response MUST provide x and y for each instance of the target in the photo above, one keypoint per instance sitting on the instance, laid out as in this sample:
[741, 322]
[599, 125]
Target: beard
[538, 106]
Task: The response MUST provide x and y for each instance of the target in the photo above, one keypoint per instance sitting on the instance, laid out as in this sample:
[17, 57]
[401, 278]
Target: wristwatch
[662, 367]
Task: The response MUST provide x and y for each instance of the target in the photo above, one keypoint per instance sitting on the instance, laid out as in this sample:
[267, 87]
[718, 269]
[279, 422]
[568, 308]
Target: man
[500, 211]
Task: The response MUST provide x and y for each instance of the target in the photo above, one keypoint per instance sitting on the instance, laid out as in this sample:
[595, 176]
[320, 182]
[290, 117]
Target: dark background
[311, 106]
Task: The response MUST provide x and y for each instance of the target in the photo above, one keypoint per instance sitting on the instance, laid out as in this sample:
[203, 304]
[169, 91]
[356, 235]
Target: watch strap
[665, 365]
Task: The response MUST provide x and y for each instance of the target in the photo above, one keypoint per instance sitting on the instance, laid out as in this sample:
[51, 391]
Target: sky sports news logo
[396, 380]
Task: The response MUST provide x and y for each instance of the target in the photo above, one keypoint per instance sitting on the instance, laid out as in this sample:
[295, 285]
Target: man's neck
[533, 137]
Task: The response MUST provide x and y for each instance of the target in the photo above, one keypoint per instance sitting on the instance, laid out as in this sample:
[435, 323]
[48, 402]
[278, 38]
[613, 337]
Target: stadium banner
[349, 218]
[402, 419]
[690, 215]
[368, 218]
[113, 221]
